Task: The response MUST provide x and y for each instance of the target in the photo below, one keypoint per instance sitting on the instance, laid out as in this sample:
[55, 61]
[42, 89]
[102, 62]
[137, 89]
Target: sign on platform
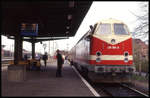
[29, 29]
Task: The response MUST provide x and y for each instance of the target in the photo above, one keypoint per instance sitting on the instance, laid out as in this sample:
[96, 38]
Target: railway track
[115, 90]
[146, 95]
[118, 90]
[5, 62]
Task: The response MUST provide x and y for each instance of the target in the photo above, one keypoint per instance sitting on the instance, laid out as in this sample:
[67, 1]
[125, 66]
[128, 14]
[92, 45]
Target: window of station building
[105, 28]
[120, 29]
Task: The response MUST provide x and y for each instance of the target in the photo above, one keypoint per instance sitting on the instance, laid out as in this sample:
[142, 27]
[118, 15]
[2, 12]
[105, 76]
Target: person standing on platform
[59, 64]
[66, 59]
[45, 57]
[25, 57]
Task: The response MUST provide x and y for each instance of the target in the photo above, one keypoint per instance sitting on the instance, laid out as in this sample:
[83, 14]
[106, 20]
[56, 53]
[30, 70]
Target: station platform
[45, 83]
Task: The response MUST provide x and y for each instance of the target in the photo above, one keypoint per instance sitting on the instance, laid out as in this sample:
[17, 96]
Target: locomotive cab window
[120, 29]
[105, 28]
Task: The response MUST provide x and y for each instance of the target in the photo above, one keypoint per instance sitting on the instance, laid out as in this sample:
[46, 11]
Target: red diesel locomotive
[104, 53]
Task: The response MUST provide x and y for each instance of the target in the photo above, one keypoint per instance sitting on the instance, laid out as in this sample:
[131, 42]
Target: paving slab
[44, 83]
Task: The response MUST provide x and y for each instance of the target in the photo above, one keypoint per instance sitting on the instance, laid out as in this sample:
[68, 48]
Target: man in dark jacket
[45, 57]
[59, 64]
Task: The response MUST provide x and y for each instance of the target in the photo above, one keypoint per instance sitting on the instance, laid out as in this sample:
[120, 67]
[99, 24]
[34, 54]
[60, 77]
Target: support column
[49, 58]
[16, 71]
[18, 49]
[33, 48]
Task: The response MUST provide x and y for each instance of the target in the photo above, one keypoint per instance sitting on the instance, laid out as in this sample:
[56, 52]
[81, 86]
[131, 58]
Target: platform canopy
[55, 19]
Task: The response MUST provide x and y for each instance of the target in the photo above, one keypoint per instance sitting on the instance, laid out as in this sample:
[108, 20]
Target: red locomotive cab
[111, 44]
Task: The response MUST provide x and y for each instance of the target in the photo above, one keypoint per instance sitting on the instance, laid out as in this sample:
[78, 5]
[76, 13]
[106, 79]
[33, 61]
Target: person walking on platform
[45, 57]
[59, 64]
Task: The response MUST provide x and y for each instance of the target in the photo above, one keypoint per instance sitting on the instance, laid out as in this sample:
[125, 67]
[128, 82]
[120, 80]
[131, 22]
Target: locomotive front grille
[100, 69]
[117, 69]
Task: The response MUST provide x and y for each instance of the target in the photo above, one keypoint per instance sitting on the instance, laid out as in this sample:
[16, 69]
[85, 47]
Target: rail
[115, 90]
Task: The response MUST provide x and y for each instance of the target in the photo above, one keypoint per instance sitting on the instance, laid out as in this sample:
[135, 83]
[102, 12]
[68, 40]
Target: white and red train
[104, 53]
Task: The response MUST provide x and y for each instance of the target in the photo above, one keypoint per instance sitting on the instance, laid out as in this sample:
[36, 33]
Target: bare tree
[141, 29]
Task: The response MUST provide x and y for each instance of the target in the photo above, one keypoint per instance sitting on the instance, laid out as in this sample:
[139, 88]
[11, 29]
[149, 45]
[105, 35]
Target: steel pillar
[18, 49]
[33, 48]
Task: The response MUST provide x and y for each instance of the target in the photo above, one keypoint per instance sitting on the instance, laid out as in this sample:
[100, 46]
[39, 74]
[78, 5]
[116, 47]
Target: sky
[99, 10]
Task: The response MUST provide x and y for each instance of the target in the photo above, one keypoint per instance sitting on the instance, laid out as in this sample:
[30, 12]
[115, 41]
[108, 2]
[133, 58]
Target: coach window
[120, 29]
[105, 29]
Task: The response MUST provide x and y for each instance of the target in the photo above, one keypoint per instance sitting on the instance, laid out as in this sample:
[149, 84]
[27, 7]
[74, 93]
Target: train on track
[104, 53]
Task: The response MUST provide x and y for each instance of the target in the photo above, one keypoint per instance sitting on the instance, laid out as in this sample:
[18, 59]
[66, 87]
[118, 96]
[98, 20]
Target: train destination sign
[29, 29]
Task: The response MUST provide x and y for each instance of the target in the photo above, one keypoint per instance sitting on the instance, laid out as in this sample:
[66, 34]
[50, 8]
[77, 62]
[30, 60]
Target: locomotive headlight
[98, 53]
[126, 54]
[126, 60]
[98, 59]
[113, 41]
